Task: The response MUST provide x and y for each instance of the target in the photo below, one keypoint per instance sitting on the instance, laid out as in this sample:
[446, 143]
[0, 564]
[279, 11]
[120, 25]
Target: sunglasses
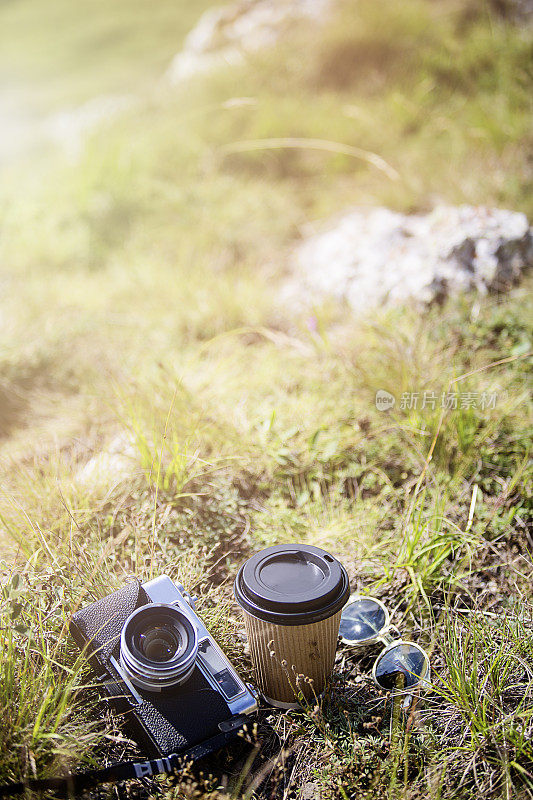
[401, 665]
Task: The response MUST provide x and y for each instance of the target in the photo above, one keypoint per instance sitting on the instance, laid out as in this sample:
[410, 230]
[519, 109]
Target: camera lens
[158, 646]
[160, 643]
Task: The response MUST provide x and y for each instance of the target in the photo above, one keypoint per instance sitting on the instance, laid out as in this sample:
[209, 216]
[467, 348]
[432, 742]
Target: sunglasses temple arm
[403, 703]
[407, 702]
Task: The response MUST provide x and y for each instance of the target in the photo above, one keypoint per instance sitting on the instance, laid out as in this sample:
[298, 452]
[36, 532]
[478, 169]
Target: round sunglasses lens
[401, 667]
[361, 620]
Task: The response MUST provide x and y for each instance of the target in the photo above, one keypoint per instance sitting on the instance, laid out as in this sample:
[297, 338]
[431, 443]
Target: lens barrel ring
[158, 674]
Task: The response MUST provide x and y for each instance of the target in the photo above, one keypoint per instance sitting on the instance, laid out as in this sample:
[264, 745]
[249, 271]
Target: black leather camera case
[171, 721]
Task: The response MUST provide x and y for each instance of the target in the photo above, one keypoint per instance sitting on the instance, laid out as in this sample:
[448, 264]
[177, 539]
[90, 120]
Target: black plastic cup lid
[292, 584]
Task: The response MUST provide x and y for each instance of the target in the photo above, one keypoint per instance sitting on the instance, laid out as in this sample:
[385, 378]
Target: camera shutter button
[190, 599]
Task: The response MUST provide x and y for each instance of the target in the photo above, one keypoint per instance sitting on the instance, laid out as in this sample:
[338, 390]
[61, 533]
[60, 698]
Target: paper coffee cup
[292, 597]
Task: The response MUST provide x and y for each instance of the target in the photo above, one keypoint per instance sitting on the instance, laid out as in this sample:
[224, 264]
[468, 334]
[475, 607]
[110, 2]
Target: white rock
[113, 464]
[225, 35]
[377, 257]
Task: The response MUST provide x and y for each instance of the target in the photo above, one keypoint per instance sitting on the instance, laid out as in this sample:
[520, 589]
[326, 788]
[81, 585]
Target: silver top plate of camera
[210, 660]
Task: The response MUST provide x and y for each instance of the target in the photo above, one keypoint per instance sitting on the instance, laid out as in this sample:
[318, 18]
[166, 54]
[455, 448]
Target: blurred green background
[141, 258]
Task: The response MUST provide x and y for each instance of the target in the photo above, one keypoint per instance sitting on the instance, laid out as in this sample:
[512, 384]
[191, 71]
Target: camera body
[159, 665]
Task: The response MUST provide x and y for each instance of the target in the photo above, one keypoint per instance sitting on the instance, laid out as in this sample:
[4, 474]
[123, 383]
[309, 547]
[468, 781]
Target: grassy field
[140, 305]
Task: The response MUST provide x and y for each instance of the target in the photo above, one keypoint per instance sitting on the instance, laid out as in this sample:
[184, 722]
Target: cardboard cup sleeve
[286, 658]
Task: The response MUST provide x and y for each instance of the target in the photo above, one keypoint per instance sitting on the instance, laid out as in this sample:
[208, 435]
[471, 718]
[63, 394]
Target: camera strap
[72, 785]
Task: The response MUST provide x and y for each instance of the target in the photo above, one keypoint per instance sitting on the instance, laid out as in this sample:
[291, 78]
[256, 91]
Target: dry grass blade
[293, 142]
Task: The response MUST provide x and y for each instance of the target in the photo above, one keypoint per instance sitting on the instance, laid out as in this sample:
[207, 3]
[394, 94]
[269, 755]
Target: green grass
[487, 691]
[210, 489]
[140, 300]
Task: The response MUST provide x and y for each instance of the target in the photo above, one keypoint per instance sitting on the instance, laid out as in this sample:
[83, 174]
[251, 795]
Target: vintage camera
[160, 666]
